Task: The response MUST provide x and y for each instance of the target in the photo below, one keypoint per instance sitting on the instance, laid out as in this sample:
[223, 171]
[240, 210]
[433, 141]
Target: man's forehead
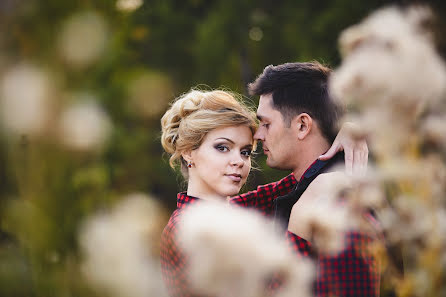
[265, 107]
[265, 99]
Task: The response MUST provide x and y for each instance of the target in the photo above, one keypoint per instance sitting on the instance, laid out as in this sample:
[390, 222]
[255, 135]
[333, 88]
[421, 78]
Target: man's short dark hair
[297, 88]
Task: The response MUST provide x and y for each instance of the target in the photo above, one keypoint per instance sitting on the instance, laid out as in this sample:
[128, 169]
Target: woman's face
[222, 163]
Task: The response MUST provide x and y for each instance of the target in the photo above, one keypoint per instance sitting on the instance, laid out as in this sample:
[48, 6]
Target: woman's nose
[237, 160]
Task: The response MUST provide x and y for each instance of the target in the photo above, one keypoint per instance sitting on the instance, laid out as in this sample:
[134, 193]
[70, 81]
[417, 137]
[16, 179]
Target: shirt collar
[310, 169]
[183, 200]
[318, 165]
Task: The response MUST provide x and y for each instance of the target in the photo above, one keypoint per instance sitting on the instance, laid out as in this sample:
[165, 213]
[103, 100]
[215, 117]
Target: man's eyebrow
[262, 118]
[225, 139]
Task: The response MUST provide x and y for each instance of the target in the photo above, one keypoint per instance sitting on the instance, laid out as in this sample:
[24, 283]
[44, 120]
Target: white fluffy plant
[118, 248]
[395, 79]
[26, 100]
[234, 252]
[390, 69]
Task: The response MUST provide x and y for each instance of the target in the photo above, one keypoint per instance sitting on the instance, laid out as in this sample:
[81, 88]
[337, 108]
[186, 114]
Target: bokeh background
[95, 78]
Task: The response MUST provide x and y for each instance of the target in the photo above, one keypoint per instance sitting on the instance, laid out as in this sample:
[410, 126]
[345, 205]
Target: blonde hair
[195, 114]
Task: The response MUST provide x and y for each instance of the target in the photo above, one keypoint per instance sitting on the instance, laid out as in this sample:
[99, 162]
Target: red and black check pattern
[173, 262]
[354, 272]
[262, 198]
[298, 245]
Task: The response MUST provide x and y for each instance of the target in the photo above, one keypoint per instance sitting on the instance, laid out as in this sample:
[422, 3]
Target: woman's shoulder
[173, 220]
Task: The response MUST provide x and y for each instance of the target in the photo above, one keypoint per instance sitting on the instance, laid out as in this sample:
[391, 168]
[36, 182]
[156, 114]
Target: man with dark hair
[298, 124]
[295, 103]
[297, 88]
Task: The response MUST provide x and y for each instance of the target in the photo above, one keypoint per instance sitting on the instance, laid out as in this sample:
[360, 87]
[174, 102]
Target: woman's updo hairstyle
[195, 114]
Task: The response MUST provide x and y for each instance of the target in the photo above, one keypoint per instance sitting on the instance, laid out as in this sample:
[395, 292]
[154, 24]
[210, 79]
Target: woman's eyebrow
[226, 139]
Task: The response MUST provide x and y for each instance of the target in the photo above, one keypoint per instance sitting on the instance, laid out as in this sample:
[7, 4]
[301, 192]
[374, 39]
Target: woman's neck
[201, 192]
[206, 196]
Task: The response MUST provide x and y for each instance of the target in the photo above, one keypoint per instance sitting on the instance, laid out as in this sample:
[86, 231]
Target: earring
[189, 164]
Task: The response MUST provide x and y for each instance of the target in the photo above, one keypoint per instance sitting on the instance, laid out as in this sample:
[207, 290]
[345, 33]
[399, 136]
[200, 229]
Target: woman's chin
[235, 192]
[229, 189]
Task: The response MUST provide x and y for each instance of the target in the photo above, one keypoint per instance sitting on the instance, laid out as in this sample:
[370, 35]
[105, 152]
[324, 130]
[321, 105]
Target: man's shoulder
[337, 177]
[286, 182]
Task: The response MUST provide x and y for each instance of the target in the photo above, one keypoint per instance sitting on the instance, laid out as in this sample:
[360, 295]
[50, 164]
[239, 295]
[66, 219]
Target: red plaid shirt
[173, 262]
[353, 272]
[262, 198]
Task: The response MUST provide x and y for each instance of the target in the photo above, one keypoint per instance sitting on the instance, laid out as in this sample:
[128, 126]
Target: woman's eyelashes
[221, 148]
[245, 152]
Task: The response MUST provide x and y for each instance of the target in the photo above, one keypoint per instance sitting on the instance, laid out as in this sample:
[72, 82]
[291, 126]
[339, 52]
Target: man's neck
[308, 155]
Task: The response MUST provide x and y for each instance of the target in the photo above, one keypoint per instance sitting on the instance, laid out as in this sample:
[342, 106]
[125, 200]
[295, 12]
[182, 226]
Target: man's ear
[303, 124]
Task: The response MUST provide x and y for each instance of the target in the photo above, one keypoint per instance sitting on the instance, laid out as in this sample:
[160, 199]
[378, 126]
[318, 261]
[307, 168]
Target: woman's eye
[265, 125]
[222, 148]
[246, 153]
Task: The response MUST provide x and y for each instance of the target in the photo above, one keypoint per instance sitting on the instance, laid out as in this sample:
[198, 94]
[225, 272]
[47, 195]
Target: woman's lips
[234, 177]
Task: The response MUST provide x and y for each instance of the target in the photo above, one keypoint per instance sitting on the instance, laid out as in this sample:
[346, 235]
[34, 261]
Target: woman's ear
[187, 156]
[303, 124]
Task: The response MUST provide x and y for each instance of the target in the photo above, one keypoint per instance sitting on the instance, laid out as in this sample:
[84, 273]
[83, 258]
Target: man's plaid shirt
[354, 272]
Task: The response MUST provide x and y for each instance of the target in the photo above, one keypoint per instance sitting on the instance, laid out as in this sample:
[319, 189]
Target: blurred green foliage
[46, 190]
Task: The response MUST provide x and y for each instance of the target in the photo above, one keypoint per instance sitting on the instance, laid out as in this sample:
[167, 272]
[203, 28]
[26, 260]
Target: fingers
[360, 159]
[357, 163]
[349, 158]
[331, 152]
[356, 158]
[355, 152]
[364, 169]
[364, 160]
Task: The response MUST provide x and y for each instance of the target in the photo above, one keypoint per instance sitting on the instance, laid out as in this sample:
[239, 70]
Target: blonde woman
[210, 136]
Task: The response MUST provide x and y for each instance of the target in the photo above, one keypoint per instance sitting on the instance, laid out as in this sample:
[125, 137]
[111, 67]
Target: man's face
[278, 140]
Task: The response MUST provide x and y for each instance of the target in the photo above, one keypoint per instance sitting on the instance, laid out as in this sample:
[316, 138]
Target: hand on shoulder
[351, 140]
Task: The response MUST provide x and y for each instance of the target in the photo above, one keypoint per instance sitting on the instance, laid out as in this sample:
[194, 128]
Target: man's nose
[259, 134]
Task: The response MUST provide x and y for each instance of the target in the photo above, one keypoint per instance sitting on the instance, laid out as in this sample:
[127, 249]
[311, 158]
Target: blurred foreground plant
[76, 137]
[235, 252]
[120, 254]
[396, 82]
